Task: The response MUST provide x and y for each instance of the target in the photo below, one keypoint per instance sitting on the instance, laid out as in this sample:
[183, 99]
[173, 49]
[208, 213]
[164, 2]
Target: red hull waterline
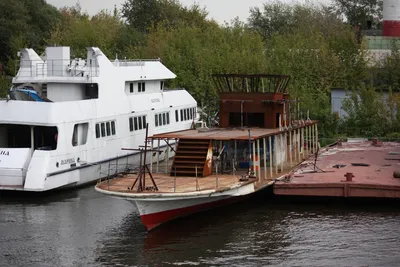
[153, 220]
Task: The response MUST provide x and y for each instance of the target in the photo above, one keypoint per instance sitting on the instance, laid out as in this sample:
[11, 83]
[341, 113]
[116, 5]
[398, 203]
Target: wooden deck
[221, 134]
[170, 184]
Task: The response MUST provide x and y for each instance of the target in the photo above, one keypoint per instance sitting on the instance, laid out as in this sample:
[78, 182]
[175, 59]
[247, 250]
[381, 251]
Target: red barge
[255, 143]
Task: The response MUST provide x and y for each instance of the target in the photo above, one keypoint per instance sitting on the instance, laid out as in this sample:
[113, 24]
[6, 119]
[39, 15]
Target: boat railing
[132, 62]
[56, 68]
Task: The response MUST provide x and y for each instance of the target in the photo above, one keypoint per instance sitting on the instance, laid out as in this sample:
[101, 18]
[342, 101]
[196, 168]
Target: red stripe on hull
[153, 220]
[391, 28]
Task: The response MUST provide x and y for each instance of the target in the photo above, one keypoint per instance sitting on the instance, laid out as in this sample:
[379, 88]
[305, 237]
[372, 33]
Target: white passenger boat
[65, 120]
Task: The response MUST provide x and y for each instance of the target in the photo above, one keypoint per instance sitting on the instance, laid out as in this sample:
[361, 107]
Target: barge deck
[363, 169]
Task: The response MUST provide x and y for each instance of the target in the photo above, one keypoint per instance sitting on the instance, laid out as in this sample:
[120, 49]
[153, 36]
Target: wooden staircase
[189, 154]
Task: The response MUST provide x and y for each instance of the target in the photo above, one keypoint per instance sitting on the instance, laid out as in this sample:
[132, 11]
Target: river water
[85, 228]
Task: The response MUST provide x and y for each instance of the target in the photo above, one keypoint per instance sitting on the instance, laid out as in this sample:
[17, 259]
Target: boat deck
[183, 184]
[221, 134]
[371, 166]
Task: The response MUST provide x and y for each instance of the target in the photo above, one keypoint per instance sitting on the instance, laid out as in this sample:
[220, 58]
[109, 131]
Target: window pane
[143, 87]
[156, 119]
[140, 123]
[113, 127]
[108, 128]
[103, 130]
[75, 136]
[184, 114]
[167, 117]
[97, 130]
[139, 87]
[164, 119]
[162, 85]
[144, 122]
[160, 119]
[131, 124]
[136, 124]
[176, 115]
[131, 87]
[181, 115]
[191, 113]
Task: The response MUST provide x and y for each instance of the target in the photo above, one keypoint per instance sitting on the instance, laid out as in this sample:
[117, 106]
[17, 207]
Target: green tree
[144, 14]
[359, 12]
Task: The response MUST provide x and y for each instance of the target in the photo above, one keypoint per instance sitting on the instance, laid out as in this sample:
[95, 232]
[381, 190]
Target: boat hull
[157, 211]
[171, 210]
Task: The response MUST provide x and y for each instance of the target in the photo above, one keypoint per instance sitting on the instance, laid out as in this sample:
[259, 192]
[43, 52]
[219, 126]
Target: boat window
[162, 86]
[140, 123]
[20, 136]
[131, 87]
[79, 136]
[167, 117]
[160, 121]
[141, 87]
[144, 122]
[136, 124]
[182, 115]
[131, 124]
[103, 130]
[164, 119]
[185, 114]
[97, 130]
[108, 128]
[176, 115]
[156, 119]
[113, 127]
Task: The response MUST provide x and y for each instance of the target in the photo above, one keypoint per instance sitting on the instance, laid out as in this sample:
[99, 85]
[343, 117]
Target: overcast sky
[220, 10]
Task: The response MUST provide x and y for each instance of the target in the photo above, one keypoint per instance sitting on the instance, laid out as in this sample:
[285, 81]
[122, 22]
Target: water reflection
[85, 228]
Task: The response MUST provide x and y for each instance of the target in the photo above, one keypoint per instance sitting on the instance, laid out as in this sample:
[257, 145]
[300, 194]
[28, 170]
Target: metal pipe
[258, 160]
[270, 155]
[166, 163]
[151, 158]
[290, 148]
[158, 154]
[33, 139]
[276, 137]
[265, 157]
[282, 156]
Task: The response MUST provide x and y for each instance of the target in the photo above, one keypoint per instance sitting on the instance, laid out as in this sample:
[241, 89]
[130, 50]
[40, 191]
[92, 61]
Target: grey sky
[220, 10]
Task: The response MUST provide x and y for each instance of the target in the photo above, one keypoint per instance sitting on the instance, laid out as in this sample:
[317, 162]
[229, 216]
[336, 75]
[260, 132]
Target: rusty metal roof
[224, 133]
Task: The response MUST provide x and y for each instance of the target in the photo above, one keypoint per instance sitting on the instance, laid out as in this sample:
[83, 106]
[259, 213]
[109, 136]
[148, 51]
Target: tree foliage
[145, 14]
[28, 20]
[314, 44]
[360, 12]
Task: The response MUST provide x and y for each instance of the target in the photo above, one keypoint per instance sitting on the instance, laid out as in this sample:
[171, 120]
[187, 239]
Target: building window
[131, 88]
[141, 87]
[79, 136]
